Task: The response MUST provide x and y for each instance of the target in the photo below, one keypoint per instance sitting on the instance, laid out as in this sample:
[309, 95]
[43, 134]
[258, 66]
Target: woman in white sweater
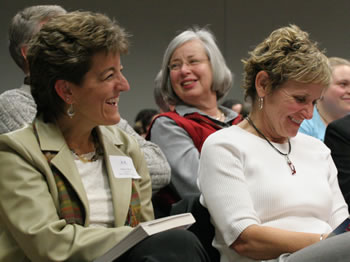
[272, 192]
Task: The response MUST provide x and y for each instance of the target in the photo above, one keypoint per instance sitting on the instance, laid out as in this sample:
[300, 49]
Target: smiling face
[286, 108]
[96, 100]
[336, 98]
[191, 74]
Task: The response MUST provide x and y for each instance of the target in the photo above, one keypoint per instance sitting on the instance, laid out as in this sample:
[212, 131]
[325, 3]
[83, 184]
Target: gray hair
[222, 76]
[25, 24]
[159, 97]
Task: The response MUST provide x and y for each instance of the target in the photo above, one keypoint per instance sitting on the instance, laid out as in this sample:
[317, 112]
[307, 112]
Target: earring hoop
[70, 111]
[261, 103]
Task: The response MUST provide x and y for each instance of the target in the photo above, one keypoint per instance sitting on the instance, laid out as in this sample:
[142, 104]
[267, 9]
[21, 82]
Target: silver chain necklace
[290, 164]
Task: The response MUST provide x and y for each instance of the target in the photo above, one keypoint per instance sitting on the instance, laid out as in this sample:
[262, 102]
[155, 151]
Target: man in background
[17, 106]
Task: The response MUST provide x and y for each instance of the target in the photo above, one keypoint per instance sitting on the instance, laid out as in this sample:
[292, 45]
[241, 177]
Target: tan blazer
[30, 228]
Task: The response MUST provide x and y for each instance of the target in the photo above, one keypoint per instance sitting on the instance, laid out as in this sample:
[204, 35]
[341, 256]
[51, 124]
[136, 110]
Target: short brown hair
[63, 49]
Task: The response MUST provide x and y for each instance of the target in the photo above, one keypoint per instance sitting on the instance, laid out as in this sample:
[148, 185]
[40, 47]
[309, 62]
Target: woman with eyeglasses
[193, 77]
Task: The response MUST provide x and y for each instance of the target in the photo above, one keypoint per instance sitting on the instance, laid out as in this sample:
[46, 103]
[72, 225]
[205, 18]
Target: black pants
[203, 228]
[175, 245]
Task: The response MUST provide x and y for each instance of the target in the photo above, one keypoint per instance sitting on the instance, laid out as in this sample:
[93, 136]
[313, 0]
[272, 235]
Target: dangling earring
[70, 111]
[261, 103]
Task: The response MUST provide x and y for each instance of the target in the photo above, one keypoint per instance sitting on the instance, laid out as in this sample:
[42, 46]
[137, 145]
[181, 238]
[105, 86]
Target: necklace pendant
[290, 164]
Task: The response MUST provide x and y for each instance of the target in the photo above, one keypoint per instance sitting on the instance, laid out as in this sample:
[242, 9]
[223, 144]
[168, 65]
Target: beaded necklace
[91, 156]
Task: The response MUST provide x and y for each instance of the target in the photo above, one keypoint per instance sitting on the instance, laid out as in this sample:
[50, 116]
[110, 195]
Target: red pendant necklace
[286, 155]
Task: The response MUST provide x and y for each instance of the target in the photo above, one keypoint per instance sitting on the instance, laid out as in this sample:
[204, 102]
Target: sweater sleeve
[157, 163]
[17, 108]
[181, 153]
[224, 187]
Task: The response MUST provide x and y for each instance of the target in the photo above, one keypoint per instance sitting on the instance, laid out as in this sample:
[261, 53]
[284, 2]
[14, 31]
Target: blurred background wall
[237, 24]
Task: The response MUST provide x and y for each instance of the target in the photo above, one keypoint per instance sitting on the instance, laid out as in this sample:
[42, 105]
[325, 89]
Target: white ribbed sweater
[244, 181]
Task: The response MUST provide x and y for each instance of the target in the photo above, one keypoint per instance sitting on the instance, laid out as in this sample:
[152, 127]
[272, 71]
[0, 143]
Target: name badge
[123, 167]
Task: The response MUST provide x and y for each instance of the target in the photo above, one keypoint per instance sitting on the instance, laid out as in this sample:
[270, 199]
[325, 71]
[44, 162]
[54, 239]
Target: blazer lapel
[120, 187]
[51, 139]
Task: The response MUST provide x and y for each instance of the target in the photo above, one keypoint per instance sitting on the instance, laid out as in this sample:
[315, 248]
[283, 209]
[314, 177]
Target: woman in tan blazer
[72, 185]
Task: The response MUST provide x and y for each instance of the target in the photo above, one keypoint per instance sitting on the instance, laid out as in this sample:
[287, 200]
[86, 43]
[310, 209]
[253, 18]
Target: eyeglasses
[177, 65]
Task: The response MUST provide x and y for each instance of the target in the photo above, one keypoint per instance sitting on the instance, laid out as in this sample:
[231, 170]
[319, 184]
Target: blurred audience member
[237, 106]
[233, 104]
[17, 106]
[334, 102]
[143, 120]
[247, 107]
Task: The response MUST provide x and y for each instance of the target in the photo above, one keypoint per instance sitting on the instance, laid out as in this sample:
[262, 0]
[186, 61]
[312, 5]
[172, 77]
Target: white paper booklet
[144, 230]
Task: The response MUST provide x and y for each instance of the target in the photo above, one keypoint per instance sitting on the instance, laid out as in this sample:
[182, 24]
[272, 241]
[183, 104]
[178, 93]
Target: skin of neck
[263, 123]
[209, 107]
[213, 112]
[78, 137]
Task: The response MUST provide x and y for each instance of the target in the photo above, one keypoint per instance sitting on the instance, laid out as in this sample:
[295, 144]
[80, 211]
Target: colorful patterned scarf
[69, 203]
[70, 206]
[134, 214]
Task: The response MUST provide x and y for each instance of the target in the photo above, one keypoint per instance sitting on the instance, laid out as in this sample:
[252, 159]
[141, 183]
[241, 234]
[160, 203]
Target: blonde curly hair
[286, 54]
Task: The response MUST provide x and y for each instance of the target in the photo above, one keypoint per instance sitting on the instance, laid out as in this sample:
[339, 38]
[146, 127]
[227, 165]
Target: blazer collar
[120, 187]
[51, 139]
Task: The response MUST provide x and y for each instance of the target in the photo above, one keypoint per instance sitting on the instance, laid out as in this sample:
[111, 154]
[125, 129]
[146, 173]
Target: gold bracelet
[321, 236]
